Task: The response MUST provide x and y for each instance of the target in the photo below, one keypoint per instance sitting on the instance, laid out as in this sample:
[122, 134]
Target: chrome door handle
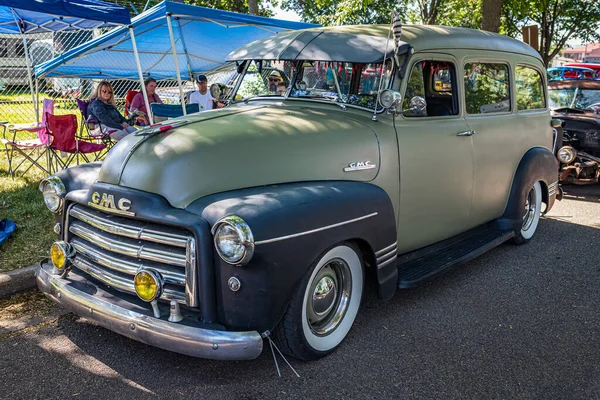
[466, 133]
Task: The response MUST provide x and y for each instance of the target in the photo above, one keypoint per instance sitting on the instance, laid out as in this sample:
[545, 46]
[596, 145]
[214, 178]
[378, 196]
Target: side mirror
[417, 105]
[218, 90]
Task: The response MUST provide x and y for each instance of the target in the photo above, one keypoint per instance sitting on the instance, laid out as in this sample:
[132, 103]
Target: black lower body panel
[423, 264]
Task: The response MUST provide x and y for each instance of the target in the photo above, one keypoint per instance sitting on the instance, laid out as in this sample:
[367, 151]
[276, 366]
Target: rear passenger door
[436, 160]
[504, 115]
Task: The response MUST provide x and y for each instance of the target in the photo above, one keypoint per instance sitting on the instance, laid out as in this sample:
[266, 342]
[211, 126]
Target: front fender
[292, 225]
[79, 177]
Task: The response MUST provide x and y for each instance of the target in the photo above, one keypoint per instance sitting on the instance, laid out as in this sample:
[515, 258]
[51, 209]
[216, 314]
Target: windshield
[344, 83]
[573, 97]
[265, 78]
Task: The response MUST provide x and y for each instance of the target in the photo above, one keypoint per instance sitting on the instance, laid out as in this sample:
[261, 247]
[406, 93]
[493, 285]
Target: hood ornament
[359, 166]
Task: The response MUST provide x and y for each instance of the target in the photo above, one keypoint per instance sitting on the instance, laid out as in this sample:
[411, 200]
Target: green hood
[243, 146]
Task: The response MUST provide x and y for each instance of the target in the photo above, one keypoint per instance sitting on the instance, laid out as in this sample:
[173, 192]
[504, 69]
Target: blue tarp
[7, 227]
[35, 16]
[203, 39]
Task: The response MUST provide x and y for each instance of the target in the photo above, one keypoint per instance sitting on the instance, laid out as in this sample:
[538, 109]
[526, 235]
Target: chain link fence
[18, 102]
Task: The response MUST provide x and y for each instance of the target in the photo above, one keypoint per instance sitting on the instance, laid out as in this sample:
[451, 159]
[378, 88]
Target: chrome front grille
[112, 249]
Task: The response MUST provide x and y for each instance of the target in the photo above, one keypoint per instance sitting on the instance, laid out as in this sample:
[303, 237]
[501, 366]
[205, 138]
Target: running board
[418, 266]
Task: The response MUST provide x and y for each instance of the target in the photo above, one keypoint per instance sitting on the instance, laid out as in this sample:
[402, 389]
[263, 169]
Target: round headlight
[389, 98]
[60, 252]
[567, 154]
[233, 240]
[53, 191]
[148, 284]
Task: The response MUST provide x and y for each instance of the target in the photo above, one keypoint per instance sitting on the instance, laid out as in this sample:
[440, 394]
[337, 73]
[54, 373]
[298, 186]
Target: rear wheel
[324, 306]
[531, 215]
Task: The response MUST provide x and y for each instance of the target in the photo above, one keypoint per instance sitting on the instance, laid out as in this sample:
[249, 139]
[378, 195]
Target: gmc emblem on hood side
[106, 202]
[359, 166]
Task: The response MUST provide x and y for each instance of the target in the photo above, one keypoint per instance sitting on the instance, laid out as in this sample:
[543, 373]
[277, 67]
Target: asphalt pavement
[520, 322]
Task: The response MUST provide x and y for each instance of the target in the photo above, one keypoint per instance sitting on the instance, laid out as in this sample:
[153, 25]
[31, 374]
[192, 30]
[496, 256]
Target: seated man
[202, 96]
[274, 80]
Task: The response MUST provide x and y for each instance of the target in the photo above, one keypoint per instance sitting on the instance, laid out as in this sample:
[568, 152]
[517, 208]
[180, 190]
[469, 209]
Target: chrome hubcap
[330, 296]
[529, 212]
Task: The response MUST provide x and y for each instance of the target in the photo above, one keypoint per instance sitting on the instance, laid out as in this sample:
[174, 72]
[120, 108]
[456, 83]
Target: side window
[433, 82]
[530, 89]
[487, 88]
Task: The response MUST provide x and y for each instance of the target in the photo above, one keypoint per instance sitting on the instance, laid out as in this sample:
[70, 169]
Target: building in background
[589, 53]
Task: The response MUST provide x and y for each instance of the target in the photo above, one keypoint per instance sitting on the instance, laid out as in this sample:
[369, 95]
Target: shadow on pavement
[517, 322]
[582, 193]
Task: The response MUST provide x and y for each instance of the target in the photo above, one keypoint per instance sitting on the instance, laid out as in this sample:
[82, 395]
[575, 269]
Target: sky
[285, 15]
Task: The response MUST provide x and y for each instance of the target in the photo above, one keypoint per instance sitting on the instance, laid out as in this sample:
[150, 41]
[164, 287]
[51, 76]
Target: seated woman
[104, 110]
[138, 103]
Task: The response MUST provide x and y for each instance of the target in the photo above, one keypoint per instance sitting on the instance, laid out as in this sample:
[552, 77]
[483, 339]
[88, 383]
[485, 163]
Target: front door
[436, 155]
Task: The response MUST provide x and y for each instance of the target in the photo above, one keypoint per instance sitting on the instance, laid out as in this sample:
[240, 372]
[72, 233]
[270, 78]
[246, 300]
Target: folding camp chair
[34, 151]
[63, 129]
[163, 112]
[93, 128]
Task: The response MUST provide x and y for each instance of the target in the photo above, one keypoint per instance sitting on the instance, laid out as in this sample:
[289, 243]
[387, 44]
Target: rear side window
[487, 88]
[530, 89]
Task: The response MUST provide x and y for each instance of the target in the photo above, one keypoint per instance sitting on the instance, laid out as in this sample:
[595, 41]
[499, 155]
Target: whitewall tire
[324, 306]
[530, 215]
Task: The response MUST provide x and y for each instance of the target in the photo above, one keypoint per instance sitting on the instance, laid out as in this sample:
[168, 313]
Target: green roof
[360, 43]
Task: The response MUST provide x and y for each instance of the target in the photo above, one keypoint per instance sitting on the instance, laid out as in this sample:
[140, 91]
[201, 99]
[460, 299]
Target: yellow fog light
[60, 252]
[148, 285]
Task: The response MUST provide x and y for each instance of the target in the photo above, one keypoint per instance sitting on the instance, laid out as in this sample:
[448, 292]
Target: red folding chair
[63, 129]
[34, 151]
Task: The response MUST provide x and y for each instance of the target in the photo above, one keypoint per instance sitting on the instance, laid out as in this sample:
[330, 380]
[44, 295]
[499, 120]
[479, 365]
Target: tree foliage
[346, 12]
[240, 6]
[558, 20]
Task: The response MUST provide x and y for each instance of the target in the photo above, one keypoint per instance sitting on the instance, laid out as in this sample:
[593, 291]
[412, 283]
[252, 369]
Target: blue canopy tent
[22, 17]
[173, 40]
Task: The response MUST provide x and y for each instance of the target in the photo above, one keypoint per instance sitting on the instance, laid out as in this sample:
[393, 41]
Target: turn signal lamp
[148, 285]
[59, 254]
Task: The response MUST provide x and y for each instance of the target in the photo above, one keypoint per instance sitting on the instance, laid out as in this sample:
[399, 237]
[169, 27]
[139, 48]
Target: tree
[462, 13]
[558, 20]
[253, 7]
[491, 10]
[241, 6]
[429, 11]
[346, 12]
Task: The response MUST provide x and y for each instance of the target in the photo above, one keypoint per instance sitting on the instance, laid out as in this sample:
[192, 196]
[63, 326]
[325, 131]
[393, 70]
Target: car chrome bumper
[192, 341]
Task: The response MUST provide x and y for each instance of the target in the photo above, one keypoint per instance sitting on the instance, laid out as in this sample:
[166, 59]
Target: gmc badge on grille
[106, 202]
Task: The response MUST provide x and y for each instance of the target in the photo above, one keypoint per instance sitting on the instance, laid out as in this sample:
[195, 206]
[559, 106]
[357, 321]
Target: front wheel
[324, 306]
[531, 215]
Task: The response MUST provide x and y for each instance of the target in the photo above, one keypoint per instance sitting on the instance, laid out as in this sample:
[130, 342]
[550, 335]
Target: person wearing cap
[202, 96]
[274, 80]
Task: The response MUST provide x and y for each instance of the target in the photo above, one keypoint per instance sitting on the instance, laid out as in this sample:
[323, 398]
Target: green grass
[21, 201]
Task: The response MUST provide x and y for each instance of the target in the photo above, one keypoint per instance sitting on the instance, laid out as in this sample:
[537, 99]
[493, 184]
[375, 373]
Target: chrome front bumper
[192, 341]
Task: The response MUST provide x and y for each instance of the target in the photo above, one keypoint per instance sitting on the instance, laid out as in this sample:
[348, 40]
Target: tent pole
[187, 56]
[37, 99]
[176, 63]
[141, 74]
[29, 72]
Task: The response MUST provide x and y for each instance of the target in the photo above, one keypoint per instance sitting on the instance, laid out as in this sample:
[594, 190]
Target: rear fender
[537, 165]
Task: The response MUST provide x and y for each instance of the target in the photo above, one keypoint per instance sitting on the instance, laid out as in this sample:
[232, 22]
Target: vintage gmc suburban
[343, 154]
